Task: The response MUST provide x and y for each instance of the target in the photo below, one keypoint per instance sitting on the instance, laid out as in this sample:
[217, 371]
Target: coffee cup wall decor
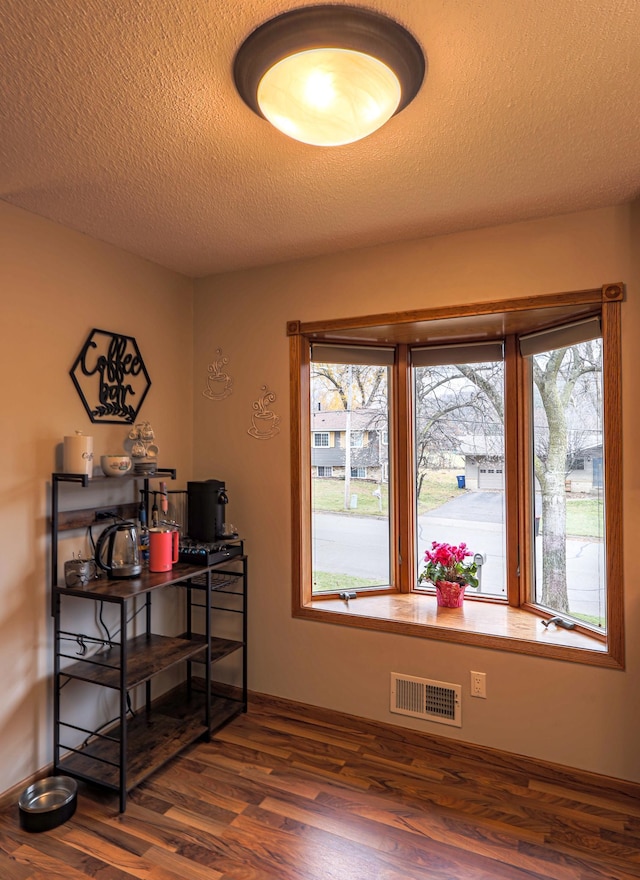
[219, 382]
[264, 422]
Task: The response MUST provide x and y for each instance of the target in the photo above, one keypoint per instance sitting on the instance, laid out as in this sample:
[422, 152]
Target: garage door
[491, 477]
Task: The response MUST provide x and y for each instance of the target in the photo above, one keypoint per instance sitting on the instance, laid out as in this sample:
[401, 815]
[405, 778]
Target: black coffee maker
[206, 503]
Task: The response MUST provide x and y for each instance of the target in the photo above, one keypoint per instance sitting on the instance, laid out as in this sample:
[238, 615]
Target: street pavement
[358, 545]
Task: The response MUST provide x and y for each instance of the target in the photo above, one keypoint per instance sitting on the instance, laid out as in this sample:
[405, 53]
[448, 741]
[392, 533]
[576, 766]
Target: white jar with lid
[78, 454]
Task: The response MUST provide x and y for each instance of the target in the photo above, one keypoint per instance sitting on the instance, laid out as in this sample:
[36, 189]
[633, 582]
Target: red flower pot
[449, 594]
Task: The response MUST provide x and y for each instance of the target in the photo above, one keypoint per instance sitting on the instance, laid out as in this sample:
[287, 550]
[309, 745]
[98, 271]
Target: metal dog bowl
[48, 803]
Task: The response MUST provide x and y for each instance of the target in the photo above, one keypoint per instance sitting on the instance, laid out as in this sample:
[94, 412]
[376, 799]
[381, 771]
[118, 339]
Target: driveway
[478, 506]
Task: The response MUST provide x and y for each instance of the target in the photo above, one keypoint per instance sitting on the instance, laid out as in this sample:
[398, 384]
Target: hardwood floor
[294, 793]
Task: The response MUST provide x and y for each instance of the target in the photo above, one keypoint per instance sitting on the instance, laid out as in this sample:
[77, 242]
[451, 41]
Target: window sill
[482, 624]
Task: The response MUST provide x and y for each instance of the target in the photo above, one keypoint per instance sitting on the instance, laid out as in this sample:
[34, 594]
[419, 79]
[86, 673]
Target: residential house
[584, 470]
[369, 445]
[483, 461]
[484, 465]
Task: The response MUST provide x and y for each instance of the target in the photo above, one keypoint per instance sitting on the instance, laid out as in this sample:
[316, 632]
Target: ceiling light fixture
[329, 75]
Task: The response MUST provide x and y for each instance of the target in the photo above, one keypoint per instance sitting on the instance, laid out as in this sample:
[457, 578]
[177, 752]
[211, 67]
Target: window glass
[321, 439]
[567, 456]
[350, 522]
[459, 461]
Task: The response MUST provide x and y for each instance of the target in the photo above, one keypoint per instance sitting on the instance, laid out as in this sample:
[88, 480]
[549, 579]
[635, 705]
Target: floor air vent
[422, 698]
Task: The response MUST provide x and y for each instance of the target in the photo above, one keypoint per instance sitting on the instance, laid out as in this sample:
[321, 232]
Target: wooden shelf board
[80, 519]
[120, 590]
[221, 648]
[83, 518]
[175, 721]
[146, 657]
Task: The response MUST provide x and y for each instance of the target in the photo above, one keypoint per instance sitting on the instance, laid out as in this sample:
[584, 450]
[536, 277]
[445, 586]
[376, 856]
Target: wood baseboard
[545, 770]
[12, 795]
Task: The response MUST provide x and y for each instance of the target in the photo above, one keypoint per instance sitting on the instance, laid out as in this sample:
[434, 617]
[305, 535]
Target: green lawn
[590, 619]
[438, 488]
[585, 517]
[326, 581]
[328, 494]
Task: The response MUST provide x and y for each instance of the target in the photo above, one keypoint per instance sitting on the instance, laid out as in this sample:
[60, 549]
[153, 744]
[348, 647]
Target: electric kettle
[117, 551]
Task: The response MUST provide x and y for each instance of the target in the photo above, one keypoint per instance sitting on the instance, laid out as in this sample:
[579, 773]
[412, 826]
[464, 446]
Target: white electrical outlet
[479, 684]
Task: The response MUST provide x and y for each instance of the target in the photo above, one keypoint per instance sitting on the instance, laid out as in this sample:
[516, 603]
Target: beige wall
[571, 714]
[55, 287]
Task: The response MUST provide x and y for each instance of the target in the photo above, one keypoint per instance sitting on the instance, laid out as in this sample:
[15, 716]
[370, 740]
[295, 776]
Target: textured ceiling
[120, 119]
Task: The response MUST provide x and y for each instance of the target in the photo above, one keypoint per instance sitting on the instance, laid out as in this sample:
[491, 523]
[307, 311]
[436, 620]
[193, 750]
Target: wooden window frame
[513, 625]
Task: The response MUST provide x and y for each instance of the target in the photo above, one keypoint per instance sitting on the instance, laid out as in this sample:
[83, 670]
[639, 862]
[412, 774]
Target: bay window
[497, 425]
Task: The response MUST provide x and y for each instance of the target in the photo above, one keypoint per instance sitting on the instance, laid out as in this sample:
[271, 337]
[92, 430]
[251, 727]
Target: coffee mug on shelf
[164, 547]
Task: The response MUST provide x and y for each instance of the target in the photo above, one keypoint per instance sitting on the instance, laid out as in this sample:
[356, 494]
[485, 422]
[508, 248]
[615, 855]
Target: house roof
[122, 120]
[591, 451]
[336, 420]
[482, 445]
[493, 446]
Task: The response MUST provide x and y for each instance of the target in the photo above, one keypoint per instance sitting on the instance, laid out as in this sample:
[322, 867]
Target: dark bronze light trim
[341, 27]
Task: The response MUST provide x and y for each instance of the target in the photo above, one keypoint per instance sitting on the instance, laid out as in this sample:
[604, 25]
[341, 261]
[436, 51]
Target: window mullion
[520, 570]
[403, 483]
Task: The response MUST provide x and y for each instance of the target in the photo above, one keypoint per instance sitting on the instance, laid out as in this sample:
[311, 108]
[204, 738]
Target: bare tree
[556, 375]
[365, 383]
[450, 399]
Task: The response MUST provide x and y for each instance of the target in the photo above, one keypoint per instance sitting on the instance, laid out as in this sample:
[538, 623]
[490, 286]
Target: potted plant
[446, 569]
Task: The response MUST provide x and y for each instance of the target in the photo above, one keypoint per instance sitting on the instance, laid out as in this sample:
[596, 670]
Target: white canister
[78, 454]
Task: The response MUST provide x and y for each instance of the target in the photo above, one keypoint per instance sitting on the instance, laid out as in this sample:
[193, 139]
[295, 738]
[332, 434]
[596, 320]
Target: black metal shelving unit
[128, 749]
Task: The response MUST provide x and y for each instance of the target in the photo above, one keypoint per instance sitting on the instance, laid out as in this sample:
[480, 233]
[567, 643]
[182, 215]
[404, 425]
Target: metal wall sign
[264, 422]
[111, 377]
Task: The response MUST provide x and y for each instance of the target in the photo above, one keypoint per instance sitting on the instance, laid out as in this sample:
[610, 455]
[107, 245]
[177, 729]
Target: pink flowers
[446, 554]
[445, 562]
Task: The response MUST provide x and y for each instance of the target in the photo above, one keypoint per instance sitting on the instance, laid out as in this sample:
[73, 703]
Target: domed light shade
[329, 75]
